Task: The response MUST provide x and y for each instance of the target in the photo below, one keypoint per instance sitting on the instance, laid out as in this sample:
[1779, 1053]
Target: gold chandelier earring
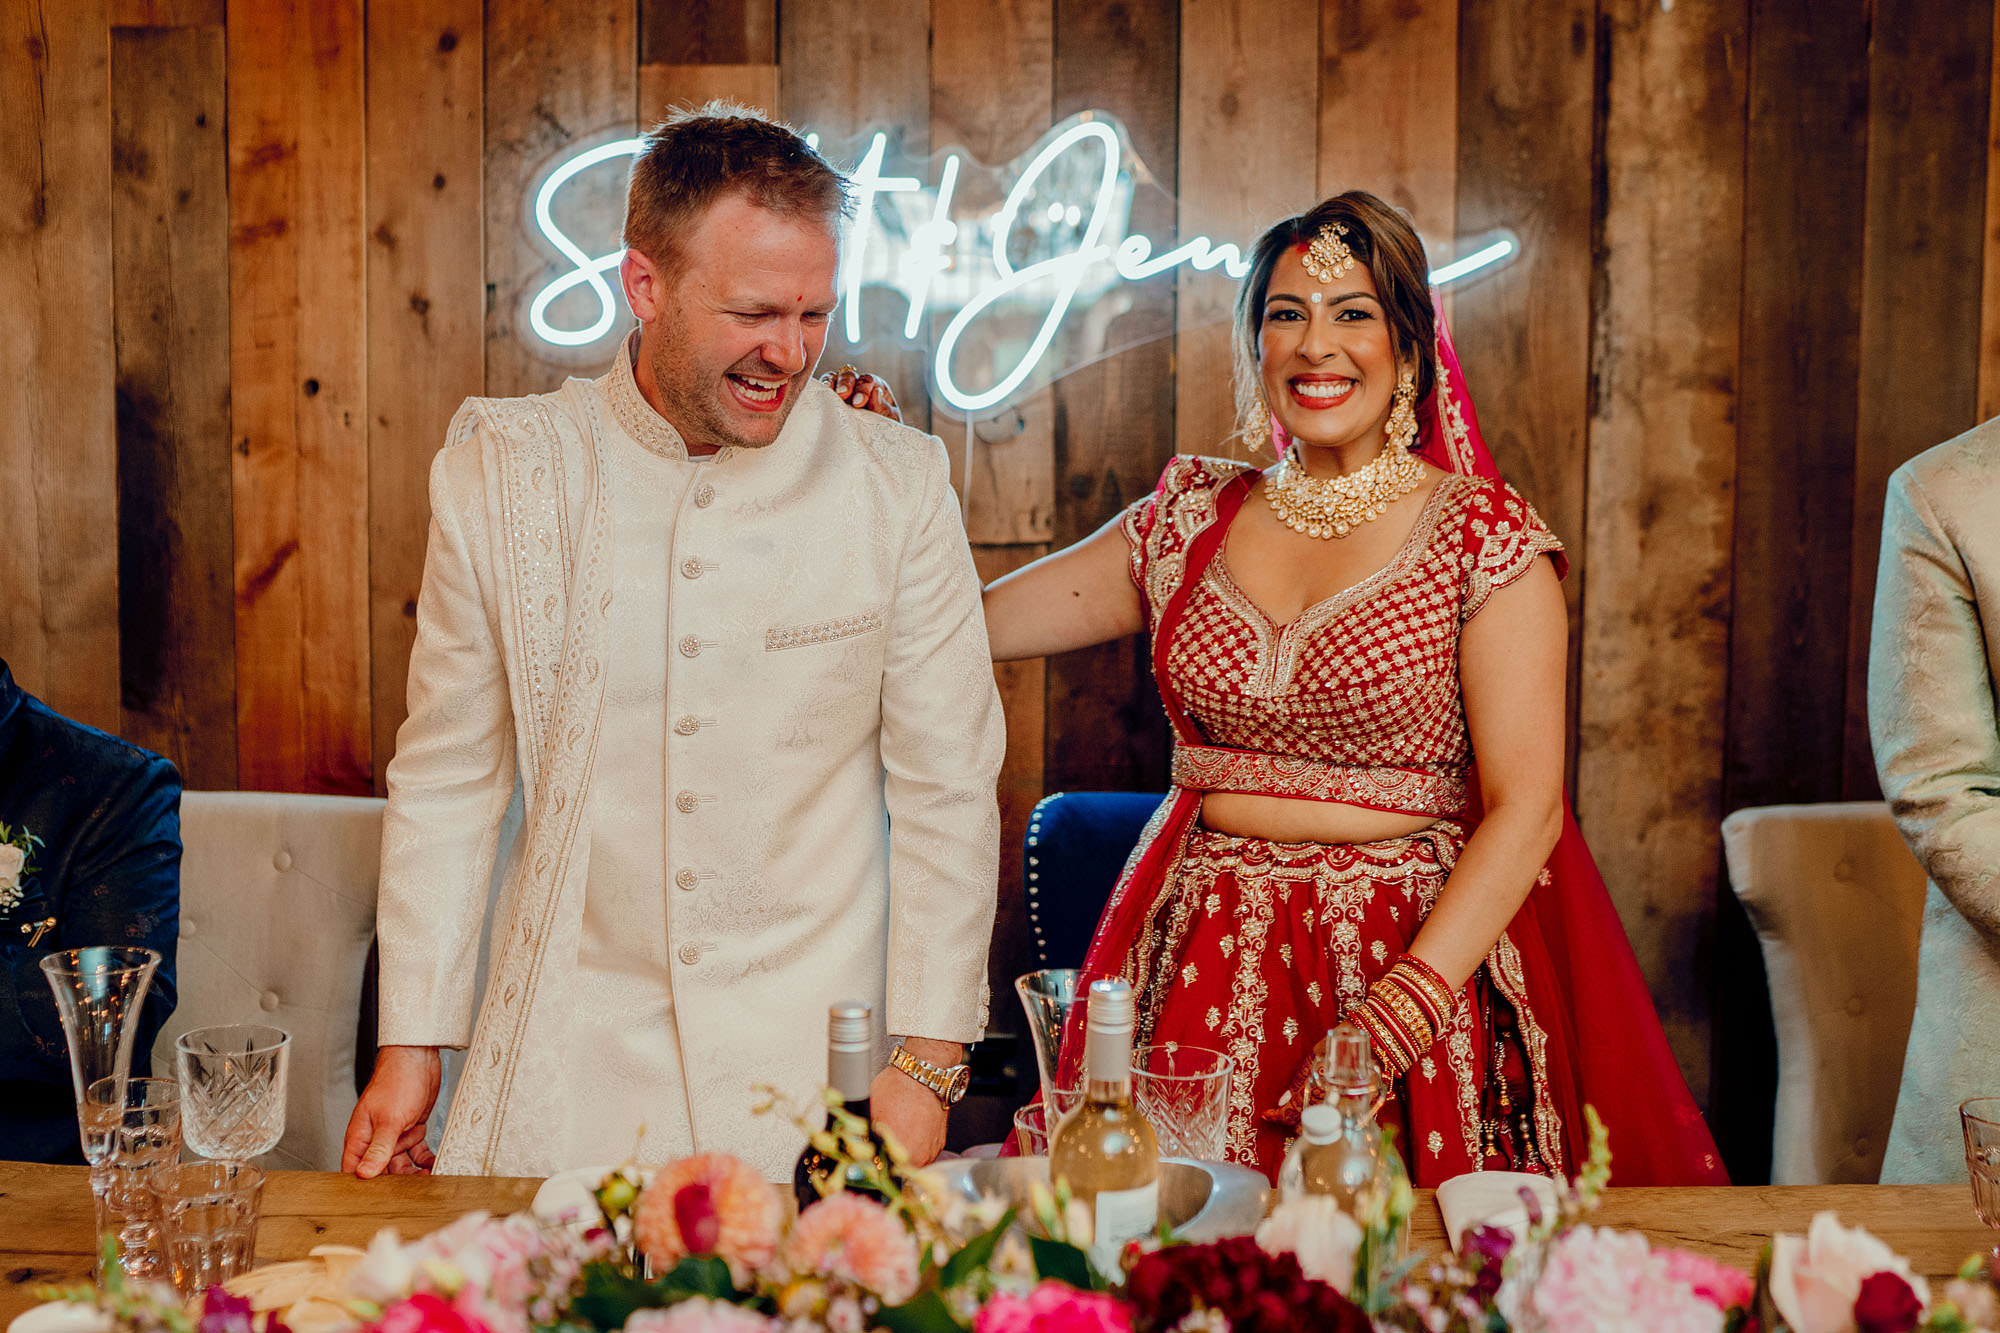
[1256, 432]
[1402, 428]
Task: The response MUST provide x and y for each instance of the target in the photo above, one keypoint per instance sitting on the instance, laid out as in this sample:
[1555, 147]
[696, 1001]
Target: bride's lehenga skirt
[1257, 948]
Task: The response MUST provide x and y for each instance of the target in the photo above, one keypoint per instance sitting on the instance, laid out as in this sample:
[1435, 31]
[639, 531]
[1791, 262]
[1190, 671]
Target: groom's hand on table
[909, 1110]
[386, 1131]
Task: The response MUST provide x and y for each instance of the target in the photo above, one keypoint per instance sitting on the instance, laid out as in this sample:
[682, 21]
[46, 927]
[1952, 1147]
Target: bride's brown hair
[1382, 237]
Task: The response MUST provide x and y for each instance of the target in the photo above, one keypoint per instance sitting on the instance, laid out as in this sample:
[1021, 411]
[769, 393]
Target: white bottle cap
[1321, 1124]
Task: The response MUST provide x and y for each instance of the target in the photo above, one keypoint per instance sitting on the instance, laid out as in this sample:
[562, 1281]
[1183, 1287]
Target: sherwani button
[686, 879]
[690, 646]
[690, 954]
[282, 861]
[686, 802]
[691, 567]
[704, 496]
[687, 725]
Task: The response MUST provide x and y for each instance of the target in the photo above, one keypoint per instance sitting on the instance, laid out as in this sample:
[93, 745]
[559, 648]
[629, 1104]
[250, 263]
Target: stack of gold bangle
[1404, 1013]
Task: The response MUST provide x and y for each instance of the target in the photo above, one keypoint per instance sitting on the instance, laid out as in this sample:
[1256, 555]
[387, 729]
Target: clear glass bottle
[1341, 1152]
[1104, 1148]
[850, 1071]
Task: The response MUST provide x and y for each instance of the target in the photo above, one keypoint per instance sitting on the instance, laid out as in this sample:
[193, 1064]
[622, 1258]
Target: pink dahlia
[1596, 1280]
[711, 1203]
[1054, 1307]
[846, 1238]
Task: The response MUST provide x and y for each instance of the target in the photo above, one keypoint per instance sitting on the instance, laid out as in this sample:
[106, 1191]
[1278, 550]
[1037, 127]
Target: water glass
[99, 994]
[208, 1221]
[1183, 1091]
[1031, 1130]
[131, 1132]
[233, 1081]
[1980, 1118]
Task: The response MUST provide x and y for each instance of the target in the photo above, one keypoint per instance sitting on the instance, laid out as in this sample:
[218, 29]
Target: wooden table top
[45, 1218]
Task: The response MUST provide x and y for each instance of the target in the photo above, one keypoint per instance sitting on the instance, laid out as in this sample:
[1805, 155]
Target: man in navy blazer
[105, 871]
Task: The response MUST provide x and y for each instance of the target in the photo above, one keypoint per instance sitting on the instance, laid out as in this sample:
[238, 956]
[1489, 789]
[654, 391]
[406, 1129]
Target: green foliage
[609, 1296]
[975, 1255]
[1062, 1262]
[924, 1312]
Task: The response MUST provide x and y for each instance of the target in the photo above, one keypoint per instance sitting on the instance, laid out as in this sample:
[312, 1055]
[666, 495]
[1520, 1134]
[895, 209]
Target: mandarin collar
[635, 415]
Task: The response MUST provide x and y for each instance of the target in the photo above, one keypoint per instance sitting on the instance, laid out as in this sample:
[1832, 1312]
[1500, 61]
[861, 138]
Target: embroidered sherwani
[1936, 730]
[749, 707]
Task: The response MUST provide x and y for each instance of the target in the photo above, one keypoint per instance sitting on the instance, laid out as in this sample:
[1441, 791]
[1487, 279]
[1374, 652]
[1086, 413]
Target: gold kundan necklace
[1335, 506]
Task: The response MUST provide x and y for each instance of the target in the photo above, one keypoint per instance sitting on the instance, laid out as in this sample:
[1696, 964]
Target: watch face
[961, 1079]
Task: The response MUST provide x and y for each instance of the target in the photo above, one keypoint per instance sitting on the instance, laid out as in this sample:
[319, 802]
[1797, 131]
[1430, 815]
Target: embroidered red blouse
[1358, 699]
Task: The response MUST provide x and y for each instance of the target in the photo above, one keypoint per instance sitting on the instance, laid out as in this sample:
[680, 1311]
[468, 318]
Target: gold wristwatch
[948, 1084]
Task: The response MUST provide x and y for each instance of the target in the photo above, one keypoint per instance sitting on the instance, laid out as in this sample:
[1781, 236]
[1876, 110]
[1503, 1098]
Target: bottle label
[1122, 1216]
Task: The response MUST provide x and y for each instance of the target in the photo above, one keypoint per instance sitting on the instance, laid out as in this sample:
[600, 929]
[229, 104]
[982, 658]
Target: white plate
[61, 1317]
[564, 1197]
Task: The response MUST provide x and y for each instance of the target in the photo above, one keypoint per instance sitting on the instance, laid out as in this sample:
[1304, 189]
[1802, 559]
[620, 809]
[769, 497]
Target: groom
[721, 637]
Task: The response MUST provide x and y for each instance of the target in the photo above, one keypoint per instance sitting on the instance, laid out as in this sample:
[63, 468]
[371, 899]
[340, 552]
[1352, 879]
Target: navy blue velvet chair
[1077, 843]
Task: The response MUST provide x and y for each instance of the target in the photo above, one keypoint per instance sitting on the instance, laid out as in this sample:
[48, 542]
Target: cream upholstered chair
[1837, 902]
[277, 915]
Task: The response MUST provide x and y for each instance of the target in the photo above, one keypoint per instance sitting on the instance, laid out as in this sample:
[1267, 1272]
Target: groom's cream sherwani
[1936, 729]
[748, 704]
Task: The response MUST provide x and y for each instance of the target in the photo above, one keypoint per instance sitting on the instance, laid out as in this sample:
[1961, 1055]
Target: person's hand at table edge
[911, 1112]
[386, 1131]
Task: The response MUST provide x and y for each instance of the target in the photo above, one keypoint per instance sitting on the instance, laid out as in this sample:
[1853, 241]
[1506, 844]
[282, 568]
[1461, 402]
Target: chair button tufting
[283, 861]
[690, 954]
[187, 929]
[1861, 1146]
[1844, 871]
[268, 1001]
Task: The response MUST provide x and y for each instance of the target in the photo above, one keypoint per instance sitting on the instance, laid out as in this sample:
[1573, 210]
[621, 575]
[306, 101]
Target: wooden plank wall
[263, 248]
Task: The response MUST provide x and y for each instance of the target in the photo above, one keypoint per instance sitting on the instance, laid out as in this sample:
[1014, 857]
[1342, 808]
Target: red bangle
[1430, 988]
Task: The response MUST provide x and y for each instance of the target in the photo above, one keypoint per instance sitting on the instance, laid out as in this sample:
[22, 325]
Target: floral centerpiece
[706, 1247]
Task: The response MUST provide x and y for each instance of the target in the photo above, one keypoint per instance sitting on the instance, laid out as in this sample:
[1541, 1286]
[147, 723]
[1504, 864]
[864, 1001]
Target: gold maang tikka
[1328, 257]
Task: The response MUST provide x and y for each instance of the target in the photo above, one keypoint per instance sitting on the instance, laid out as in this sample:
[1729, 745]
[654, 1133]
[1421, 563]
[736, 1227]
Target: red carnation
[1887, 1305]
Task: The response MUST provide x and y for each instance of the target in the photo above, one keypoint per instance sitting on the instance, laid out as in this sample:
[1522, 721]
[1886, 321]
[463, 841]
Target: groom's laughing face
[749, 293]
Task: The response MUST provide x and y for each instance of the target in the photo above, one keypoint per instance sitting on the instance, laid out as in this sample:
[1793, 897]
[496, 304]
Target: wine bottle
[1104, 1148]
[850, 1069]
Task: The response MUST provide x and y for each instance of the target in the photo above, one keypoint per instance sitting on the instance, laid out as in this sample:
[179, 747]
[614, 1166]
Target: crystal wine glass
[233, 1081]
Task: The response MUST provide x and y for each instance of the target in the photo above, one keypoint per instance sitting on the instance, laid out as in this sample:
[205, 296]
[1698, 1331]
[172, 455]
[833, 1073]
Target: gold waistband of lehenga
[1215, 768]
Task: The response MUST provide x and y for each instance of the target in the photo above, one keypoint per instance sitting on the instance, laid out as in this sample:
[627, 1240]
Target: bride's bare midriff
[1287, 819]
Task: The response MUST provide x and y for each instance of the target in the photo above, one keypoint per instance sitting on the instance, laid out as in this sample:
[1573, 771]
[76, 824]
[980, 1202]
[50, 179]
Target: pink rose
[427, 1312]
[1053, 1307]
[1816, 1279]
[1714, 1281]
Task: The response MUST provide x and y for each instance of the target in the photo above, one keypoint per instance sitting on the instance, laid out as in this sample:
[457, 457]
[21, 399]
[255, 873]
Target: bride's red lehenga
[1257, 947]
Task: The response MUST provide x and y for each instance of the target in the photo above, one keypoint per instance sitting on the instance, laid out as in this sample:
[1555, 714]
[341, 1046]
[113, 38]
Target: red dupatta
[1577, 961]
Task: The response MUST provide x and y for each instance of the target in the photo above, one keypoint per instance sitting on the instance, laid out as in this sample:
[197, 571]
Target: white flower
[1816, 1278]
[1314, 1230]
[386, 1273]
[12, 860]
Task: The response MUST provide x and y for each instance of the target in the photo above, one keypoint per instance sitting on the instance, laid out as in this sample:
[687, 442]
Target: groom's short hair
[694, 157]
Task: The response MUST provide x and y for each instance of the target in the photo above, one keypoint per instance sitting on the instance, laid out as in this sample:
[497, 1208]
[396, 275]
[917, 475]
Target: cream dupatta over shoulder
[827, 667]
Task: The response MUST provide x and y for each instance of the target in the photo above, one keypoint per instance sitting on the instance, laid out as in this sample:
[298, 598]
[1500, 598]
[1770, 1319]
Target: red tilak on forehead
[1303, 246]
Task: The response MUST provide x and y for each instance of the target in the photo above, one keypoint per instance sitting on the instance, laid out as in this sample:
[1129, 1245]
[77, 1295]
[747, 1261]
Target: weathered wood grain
[58, 433]
[1249, 83]
[993, 122]
[1115, 419]
[166, 13]
[1662, 448]
[665, 87]
[708, 32]
[842, 76]
[1929, 105]
[170, 278]
[558, 79]
[426, 302]
[1388, 107]
[1525, 131]
[299, 405]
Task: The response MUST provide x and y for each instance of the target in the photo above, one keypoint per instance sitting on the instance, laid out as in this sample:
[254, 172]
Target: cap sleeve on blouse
[1160, 525]
[1503, 538]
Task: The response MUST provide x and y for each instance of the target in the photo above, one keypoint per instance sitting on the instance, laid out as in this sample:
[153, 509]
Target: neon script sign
[1024, 291]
